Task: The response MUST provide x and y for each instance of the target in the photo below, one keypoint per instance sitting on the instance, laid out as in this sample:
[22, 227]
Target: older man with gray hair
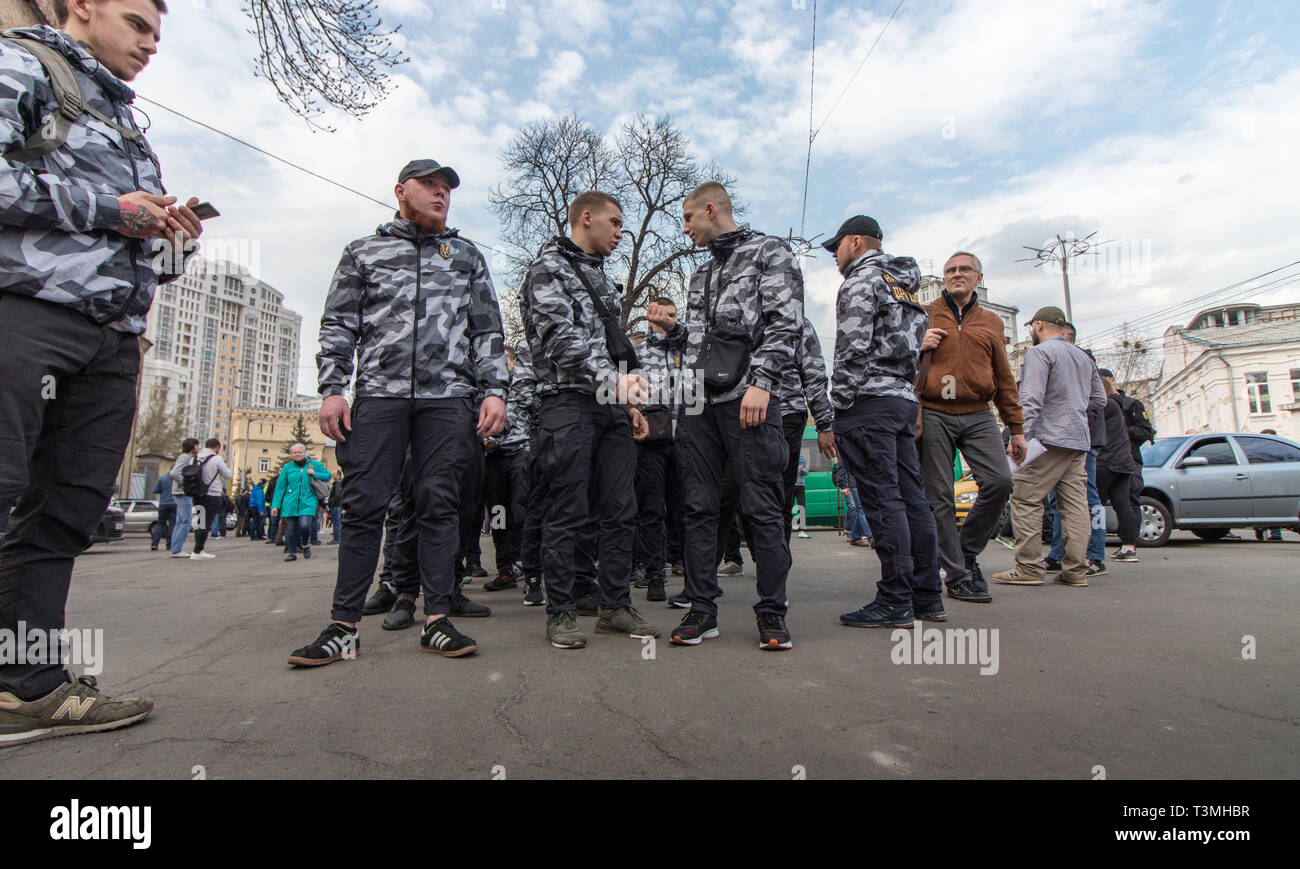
[964, 366]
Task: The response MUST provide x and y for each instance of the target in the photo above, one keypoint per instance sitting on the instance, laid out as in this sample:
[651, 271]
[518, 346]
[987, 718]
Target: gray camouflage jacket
[754, 286]
[521, 411]
[803, 385]
[566, 336]
[418, 311]
[59, 213]
[661, 366]
[879, 329]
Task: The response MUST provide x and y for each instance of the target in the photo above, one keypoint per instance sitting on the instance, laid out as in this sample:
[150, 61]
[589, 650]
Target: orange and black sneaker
[772, 633]
[74, 707]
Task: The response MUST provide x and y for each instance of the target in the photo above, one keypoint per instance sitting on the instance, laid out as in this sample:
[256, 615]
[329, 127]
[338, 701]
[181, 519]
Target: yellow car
[964, 493]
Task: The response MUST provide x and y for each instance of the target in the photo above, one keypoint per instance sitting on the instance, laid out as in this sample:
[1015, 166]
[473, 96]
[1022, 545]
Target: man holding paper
[1058, 386]
[965, 366]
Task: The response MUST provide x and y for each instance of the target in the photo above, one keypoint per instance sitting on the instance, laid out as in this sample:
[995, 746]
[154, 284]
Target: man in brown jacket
[967, 367]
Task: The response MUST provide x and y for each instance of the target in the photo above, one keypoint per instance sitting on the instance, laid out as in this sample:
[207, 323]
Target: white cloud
[565, 69]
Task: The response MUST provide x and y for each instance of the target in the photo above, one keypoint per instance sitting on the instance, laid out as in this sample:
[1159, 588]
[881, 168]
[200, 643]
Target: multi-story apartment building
[229, 341]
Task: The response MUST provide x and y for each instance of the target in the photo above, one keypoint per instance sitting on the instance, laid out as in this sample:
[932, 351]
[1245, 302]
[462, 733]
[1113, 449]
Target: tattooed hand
[143, 214]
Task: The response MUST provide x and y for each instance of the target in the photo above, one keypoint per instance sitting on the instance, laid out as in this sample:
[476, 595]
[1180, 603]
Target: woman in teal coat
[294, 500]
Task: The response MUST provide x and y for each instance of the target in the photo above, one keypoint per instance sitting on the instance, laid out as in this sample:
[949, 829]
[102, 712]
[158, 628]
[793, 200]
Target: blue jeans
[1097, 540]
[297, 530]
[184, 520]
[336, 519]
[255, 526]
[855, 523]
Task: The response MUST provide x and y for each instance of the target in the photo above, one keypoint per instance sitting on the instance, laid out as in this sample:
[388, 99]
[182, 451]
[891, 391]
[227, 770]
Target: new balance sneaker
[503, 580]
[441, 638]
[731, 568]
[466, 608]
[1097, 568]
[1015, 577]
[680, 601]
[1073, 583]
[772, 633]
[625, 622]
[533, 595]
[1126, 553]
[74, 707]
[965, 590]
[930, 612]
[381, 601]
[655, 590]
[694, 629]
[562, 630]
[335, 643]
[402, 615]
[877, 615]
[588, 604]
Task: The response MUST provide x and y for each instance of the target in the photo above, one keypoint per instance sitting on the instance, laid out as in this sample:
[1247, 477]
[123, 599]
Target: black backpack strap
[601, 311]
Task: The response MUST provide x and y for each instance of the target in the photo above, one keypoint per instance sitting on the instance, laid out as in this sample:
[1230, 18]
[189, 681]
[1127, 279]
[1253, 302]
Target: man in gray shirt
[1058, 385]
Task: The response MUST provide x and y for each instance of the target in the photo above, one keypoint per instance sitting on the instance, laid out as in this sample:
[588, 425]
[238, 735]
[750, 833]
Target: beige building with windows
[1234, 368]
[222, 339]
[932, 288]
[258, 436]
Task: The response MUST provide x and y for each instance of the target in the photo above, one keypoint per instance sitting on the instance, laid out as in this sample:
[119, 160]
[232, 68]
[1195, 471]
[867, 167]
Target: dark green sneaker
[562, 631]
[626, 622]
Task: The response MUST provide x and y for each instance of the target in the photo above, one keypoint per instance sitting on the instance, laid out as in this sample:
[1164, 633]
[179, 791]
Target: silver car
[1211, 483]
[139, 515]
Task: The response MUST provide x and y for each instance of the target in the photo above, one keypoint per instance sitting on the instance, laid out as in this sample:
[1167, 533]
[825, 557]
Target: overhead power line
[289, 163]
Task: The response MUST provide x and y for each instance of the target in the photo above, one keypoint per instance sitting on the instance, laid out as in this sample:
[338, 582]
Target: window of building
[263, 465]
[1257, 392]
[1295, 385]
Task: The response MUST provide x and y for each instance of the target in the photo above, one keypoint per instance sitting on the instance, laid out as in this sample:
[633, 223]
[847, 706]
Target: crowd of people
[594, 455]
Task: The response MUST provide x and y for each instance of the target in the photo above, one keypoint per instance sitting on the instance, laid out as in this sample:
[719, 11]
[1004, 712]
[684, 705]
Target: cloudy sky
[1167, 127]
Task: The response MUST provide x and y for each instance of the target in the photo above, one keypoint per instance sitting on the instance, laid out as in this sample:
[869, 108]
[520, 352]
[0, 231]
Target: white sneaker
[180, 555]
[803, 535]
[200, 556]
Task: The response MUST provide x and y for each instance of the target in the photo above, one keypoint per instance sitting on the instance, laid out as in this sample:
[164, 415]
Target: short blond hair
[711, 191]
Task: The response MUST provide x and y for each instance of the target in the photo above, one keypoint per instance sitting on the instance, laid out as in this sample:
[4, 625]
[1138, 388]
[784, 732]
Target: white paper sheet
[1033, 450]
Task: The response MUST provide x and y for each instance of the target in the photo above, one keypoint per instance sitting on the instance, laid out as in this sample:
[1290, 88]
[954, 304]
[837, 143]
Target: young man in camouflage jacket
[751, 290]
[414, 305]
[81, 226]
[585, 449]
[879, 329]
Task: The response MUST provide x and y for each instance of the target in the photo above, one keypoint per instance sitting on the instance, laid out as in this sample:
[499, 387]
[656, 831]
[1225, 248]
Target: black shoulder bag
[725, 357]
[620, 348]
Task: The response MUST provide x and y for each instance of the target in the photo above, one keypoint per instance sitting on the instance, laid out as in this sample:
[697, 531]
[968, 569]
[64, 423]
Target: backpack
[192, 478]
[51, 134]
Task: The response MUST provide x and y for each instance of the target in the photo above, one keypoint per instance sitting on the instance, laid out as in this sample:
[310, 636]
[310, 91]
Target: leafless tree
[1131, 358]
[323, 53]
[648, 165]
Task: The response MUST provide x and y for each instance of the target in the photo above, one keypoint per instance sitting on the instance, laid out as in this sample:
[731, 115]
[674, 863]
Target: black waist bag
[621, 351]
[724, 359]
[660, 421]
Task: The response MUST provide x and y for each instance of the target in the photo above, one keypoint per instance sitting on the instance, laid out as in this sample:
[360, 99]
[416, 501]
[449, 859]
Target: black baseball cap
[421, 168]
[1106, 372]
[859, 225]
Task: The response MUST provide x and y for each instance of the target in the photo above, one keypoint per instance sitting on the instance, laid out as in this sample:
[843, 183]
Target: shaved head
[710, 192]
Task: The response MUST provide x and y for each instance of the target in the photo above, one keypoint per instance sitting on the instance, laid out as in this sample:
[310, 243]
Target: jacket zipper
[415, 313]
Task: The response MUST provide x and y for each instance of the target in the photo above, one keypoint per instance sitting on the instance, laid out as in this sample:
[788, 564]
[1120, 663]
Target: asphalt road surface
[1181, 666]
